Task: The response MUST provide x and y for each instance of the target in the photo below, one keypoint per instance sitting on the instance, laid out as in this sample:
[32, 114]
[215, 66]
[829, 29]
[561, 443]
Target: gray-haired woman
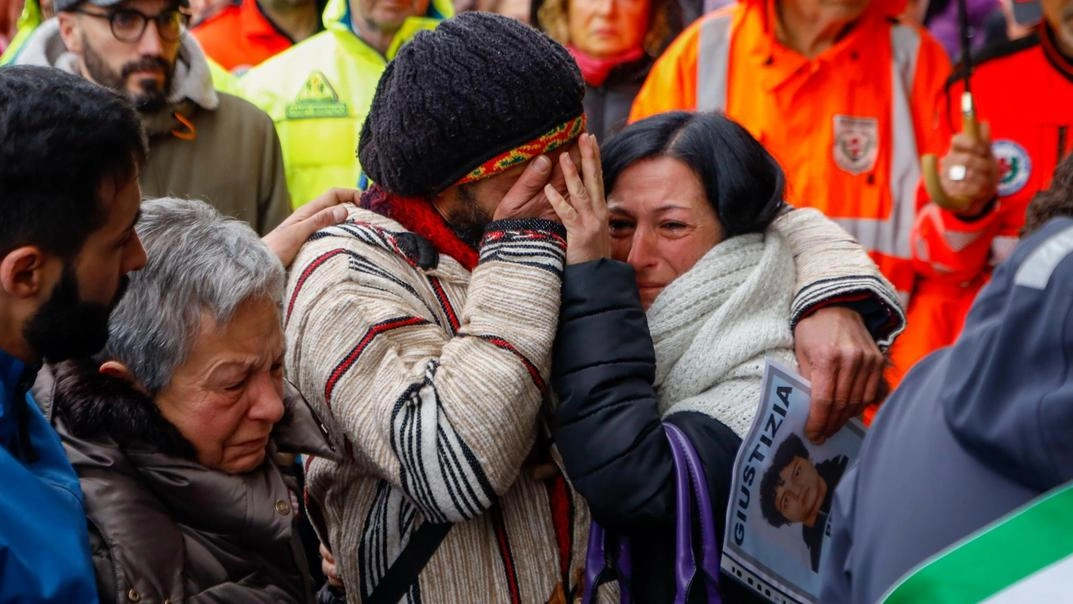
[177, 429]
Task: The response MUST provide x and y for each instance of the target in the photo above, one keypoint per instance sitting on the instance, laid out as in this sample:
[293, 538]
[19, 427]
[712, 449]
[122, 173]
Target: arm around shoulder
[832, 268]
[672, 82]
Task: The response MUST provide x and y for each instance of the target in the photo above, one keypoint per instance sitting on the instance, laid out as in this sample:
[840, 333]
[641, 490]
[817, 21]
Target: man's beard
[67, 327]
[151, 98]
[469, 221]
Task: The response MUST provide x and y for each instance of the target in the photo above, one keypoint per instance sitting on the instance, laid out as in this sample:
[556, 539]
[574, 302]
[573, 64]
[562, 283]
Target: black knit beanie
[478, 85]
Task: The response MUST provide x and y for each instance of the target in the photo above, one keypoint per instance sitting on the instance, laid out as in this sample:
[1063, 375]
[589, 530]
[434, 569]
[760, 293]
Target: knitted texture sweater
[713, 326]
[434, 377]
[833, 268]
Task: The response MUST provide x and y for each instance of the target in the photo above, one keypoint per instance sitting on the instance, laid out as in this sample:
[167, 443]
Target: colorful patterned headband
[549, 141]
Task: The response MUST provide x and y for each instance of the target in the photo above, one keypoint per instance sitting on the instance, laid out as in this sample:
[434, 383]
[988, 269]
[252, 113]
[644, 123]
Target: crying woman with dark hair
[676, 290]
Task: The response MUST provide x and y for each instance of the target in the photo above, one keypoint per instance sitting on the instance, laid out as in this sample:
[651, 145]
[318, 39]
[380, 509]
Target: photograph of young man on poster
[794, 490]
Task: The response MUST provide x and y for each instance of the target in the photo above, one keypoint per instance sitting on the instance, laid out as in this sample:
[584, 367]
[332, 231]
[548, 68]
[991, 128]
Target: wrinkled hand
[980, 182]
[585, 214]
[837, 354]
[327, 564]
[526, 198]
[324, 211]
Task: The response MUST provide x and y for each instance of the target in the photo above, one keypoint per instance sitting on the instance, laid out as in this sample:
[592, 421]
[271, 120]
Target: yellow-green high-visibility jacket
[318, 93]
[29, 19]
[222, 79]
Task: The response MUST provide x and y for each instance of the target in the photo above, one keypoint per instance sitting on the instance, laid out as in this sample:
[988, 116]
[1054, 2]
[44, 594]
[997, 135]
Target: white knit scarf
[714, 325]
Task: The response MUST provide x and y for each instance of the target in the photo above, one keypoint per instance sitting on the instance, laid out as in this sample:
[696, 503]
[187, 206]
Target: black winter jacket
[609, 431]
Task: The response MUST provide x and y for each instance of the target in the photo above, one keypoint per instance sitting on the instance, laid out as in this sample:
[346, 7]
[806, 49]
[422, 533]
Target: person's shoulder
[721, 17]
[1043, 254]
[294, 63]
[996, 57]
[324, 64]
[683, 50]
[369, 259]
[365, 233]
[307, 54]
[832, 469]
[995, 52]
[236, 108]
[917, 45]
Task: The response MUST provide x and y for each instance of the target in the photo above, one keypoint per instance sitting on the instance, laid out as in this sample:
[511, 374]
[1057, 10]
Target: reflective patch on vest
[856, 143]
[316, 99]
[1036, 270]
[1015, 166]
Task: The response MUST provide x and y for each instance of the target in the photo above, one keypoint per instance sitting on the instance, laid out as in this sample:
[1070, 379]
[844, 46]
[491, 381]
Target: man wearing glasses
[203, 143]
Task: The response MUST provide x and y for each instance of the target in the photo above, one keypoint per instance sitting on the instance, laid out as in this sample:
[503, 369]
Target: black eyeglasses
[128, 25]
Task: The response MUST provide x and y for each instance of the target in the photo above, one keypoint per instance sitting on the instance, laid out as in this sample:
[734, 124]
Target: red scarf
[418, 216]
[595, 70]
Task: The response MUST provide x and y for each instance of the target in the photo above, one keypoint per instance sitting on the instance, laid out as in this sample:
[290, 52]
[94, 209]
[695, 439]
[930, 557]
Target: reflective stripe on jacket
[847, 126]
[318, 93]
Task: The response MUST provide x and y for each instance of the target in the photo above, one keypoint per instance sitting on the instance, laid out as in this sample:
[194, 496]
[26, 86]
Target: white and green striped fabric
[1025, 556]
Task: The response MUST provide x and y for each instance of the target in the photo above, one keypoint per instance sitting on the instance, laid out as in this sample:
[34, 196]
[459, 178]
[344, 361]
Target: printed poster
[781, 493]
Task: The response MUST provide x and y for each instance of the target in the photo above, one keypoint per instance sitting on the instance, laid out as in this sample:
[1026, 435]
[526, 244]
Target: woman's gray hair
[198, 261]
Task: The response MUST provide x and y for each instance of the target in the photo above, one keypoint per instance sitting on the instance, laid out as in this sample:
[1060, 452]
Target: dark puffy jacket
[164, 528]
[609, 430]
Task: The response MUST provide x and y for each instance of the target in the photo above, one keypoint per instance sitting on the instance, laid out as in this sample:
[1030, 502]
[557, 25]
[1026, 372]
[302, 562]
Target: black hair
[61, 138]
[742, 181]
[790, 448]
[1052, 202]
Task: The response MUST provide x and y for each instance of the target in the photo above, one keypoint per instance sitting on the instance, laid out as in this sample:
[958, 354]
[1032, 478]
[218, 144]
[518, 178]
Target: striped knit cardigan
[434, 378]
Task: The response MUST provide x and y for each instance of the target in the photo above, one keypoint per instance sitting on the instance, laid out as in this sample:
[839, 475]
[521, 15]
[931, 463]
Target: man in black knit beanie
[422, 329]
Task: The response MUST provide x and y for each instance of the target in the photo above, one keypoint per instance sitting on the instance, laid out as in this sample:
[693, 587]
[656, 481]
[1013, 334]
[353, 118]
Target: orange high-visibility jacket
[1024, 89]
[241, 36]
[848, 126]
